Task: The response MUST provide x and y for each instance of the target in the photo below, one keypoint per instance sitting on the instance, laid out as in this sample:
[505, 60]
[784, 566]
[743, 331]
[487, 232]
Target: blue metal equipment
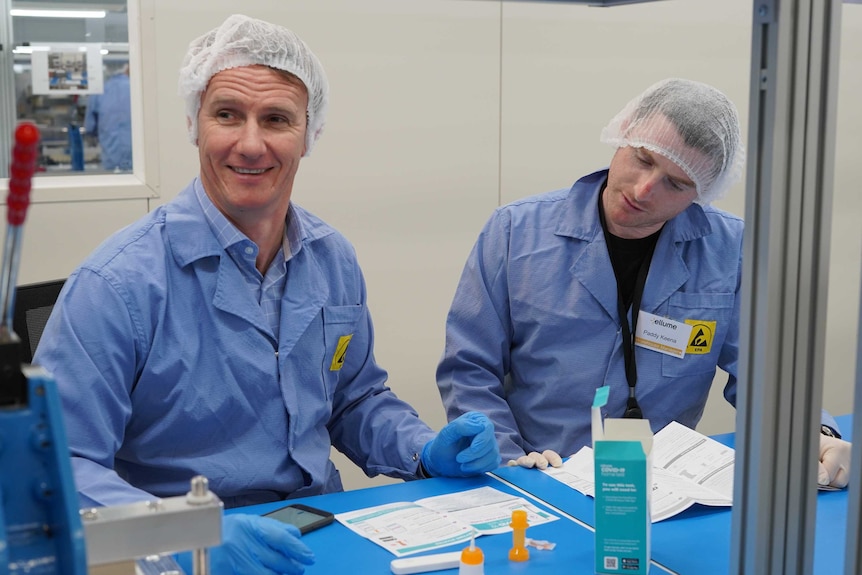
[40, 527]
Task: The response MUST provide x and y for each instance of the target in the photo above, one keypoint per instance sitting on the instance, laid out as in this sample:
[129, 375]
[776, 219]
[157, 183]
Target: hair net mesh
[690, 123]
[243, 41]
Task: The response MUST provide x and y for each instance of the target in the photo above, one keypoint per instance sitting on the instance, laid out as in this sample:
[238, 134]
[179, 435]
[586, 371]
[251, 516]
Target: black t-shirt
[626, 255]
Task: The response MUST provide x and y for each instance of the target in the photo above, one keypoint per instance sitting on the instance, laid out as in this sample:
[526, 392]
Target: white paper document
[427, 524]
[688, 468]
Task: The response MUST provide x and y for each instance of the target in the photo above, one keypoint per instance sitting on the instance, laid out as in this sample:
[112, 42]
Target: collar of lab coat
[191, 239]
[579, 220]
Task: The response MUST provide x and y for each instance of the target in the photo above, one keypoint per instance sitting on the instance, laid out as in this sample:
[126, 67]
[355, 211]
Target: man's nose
[250, 142]
[645, 186]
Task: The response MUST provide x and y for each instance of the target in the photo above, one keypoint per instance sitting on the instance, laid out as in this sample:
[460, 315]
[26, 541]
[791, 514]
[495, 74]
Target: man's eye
[280, 121]
[680, 186]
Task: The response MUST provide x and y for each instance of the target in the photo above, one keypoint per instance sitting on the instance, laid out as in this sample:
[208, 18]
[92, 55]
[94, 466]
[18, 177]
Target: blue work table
[339, 550]
[697, 541]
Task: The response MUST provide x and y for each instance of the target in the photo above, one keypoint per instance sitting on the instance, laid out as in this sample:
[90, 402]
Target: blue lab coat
[167, 368]
[109, 117]
[534, 327]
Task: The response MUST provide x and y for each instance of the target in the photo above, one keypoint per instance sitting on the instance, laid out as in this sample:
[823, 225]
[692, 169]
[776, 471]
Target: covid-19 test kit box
[623, 483]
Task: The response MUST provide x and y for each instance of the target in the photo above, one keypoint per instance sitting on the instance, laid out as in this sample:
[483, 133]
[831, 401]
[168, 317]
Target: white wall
[440, 111]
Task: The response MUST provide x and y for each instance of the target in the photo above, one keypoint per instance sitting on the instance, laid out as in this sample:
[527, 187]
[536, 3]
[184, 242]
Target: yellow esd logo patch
[340, 351]
[702, 334]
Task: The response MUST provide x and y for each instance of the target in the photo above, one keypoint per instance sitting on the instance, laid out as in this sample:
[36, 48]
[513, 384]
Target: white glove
[538, 460]
[834, 466]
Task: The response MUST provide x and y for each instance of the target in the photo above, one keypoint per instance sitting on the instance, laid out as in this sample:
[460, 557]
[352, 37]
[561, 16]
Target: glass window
[70, 72]
[67, 73]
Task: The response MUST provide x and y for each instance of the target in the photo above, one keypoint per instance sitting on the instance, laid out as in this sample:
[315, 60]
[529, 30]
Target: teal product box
[623, 484]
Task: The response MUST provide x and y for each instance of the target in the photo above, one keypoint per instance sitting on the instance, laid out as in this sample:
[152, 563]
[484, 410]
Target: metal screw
[200, 493]
[200, 486]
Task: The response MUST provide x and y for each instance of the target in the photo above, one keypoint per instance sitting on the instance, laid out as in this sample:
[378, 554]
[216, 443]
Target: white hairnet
[690, 123]
[243, 41]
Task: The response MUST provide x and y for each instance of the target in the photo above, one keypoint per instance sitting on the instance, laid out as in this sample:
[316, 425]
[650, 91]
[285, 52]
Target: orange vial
[519, 551]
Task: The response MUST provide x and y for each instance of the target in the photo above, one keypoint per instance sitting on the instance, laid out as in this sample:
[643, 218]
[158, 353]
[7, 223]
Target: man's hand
[834, 466]
[253, 544]
[466, 446]
[538, 460]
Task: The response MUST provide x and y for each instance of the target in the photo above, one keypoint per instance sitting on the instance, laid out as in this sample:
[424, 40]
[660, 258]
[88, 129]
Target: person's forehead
[669, 165]
[257, 80]
[660, 136]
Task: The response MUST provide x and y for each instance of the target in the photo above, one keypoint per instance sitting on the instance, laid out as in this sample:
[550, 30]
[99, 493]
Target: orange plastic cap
[519, 519]
[472, 556]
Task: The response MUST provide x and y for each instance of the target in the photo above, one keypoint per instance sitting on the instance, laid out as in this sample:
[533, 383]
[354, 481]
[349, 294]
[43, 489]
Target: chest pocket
[339, 327]
[712, 314]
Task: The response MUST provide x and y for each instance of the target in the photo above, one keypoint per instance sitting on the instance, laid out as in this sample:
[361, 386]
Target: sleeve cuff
[827, 420]
[829, 431]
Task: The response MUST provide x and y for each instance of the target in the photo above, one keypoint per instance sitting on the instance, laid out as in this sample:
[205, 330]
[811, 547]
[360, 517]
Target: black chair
[33, 305]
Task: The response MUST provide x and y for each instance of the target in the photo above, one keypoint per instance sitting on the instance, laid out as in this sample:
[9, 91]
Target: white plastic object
[466, 569]
[437, 562]
[472, 559]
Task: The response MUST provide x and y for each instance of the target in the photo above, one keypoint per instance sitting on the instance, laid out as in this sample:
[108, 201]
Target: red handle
[21, 171]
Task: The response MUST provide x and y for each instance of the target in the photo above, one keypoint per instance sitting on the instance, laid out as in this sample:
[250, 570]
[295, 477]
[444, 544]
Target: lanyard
[633, 410]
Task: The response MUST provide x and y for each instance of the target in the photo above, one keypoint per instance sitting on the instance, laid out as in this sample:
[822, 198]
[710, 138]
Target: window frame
[142, 182]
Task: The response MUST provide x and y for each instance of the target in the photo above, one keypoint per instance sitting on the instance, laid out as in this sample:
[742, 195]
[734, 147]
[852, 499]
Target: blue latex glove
[253, 544]
[466, 446]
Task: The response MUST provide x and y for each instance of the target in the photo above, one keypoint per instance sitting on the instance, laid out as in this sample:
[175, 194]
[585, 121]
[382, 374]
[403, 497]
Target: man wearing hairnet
[226, 333]
[566, 292]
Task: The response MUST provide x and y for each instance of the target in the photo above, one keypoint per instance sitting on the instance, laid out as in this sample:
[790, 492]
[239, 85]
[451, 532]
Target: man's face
[251, 135]
[644, 190]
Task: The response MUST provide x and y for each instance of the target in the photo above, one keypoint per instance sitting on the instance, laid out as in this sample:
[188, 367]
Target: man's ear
[189, 127]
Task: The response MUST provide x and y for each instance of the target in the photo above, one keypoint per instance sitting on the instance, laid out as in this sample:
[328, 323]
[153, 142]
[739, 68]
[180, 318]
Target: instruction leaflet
[404, 528]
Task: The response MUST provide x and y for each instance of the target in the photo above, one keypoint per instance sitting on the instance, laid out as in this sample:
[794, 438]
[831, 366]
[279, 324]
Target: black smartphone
[302, 516]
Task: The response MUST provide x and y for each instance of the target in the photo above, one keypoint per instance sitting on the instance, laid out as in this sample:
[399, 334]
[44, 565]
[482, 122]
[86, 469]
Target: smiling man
[226, 334]
[251, 136]
[563, 291]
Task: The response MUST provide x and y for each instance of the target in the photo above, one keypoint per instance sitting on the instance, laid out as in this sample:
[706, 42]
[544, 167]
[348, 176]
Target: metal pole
[788, 213]
[853, 553]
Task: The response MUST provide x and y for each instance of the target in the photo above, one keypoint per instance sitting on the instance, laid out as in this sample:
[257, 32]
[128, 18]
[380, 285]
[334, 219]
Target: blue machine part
[4, 554]
[40, 528]
[76, 148]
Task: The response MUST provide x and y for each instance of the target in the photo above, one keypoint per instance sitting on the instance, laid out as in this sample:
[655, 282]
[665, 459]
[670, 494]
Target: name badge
[662, 334]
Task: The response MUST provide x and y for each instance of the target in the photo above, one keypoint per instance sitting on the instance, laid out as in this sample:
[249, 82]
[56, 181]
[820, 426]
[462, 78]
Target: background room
[440, 111]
